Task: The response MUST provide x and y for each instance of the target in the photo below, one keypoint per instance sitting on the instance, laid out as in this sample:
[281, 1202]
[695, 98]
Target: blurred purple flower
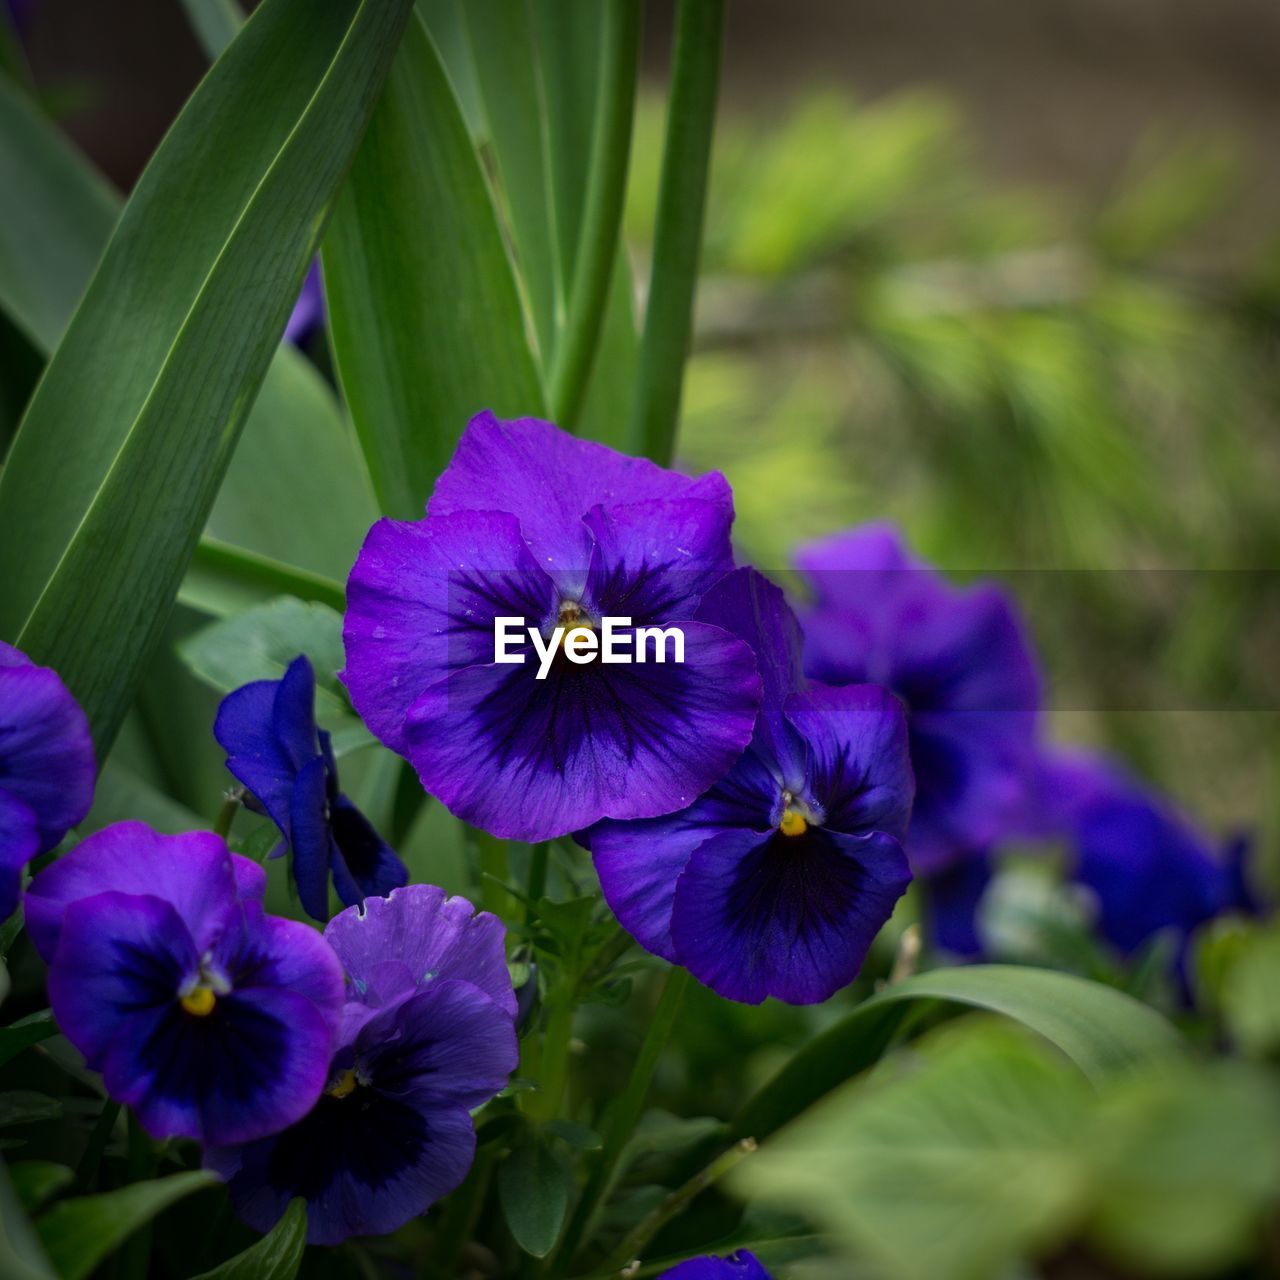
[210, 1019]
[1148, 868]
[307, 315]
[776, 881]
[46, 767]
[529, 522]
[741, 1265]
[268, 729]
[427, 1036]
[960, 662]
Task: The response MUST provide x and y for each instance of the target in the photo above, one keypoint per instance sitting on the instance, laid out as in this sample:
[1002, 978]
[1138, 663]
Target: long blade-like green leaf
[1101, 1029]
[426, 320]
[509, 79]
[127, 439]
[56, 215]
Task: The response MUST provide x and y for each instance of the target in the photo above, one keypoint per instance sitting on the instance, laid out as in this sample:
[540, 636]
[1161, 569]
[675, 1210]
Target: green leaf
[1102, 1030]
[534, 1185]
[509, 79]
[215, 23]
[23, 1106]
[26, 1032]
[37, 1181]
[56, 215]
[224, 581]
[260, 644]
[121, 795]
[77, 1234]
[277, 1256]
[426, 321]
[950, 1172]
[21, 1257]
[1248, 993]
[1190, 1167]
[127, 439]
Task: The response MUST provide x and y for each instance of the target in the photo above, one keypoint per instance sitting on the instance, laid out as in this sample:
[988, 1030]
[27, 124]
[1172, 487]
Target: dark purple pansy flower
[961, 663]
[308, 312]
[46, 767]
[951, 906]
[210, 1019]
[428, 1034]
[528, 522]
[1147, 866]
[268, 730]
[737, 1266]
[774, 882]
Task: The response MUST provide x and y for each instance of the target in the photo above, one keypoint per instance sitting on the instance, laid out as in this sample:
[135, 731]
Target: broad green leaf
[77, 1234]
[121, 795]
[37, 1181]
[260, 644]
[534, 1184]
[426, 322]
[121, 454]
[26, 1032]
[950, 1172]
[606, 415]
[509, 79]
[21, 1257]
[1190, 1166]
[277, 1256]
[24, 1106]
[56, 215]
[1102, 1030]
[1248, 993]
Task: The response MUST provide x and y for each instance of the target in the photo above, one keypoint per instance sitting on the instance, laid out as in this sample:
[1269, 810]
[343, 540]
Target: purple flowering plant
[481, 868]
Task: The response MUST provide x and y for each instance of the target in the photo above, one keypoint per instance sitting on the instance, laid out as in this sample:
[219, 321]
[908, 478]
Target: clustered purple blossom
[754, 814]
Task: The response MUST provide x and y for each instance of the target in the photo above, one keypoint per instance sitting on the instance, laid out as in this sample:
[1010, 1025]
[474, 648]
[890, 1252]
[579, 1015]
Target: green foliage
[277, 1256]
[983, 1148]
[425, 336]
[103, 497]
[534, 1186]
[77, 1234]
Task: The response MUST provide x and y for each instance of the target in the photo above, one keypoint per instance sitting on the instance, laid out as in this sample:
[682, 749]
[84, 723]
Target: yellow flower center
[346, 1084]
[199, 1001]
[793, 823]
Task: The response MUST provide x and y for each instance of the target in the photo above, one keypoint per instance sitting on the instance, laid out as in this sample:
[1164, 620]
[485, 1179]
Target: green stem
[462, 1213]
[602, 217]
[544, 1103]
[87, 1170]
[226, 815]
[677, 243]
[135, 1253]
[537, 877]
[625, 1114]
[676, 1203]
[491, 855]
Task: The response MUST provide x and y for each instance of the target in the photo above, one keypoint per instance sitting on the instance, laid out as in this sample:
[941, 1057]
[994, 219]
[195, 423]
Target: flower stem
[625, 1114]
[544, 1104]
[668, 324]
[87, 1170]
[676, 1203]
[135, 1253]
[602, 218]
[537, 887]
[226, 815]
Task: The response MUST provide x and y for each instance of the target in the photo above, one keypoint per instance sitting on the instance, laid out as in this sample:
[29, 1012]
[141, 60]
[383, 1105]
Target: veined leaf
[1104, 1031]
[426, 321]
[534, 1185]
[77, 1234]
[122, 451]
[277, 1256]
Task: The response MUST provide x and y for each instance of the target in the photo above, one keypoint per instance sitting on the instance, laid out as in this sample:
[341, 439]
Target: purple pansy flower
[741, 1265]
[774, 882]
[528, 522]
[428, 1034]
[268, 730]
[1147, 867]
[210, 1019]
[46, 767]
[951, 906]
[961, 663]
[308, 312]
